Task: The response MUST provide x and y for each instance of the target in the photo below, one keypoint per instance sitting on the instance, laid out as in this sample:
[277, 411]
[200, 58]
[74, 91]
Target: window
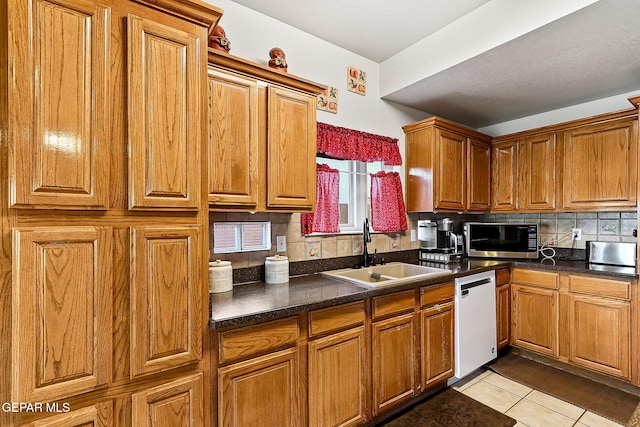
[241, 236]
[354, 192]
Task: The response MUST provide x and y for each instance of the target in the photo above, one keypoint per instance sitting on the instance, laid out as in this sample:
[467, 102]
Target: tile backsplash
[556, 227]
[301, 248]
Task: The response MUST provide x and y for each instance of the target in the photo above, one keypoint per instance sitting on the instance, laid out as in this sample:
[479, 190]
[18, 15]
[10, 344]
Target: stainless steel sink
[384, 275]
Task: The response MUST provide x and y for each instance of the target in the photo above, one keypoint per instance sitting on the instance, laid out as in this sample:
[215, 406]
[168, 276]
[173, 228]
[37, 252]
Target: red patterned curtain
[388, 212]
[326, 219]
[349, 144]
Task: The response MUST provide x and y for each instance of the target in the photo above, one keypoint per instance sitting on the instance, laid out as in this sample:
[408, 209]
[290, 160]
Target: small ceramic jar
[276, 269]
[220, 276]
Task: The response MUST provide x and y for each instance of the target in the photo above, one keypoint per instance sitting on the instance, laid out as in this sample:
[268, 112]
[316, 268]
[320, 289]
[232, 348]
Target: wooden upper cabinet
[600, 166]
[233, 139]
[59, 104]
[166, 71]
[504, 176]
[177, 404]
[167, 297]
[478, 176]
[450, 171]
[61, 311]
[537, 167]
[447, 167]
[291, 149]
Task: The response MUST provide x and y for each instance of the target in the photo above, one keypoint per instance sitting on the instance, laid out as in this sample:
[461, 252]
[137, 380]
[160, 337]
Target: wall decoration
[218, 39]
[278, 59]
[356, 80]
[328, 100]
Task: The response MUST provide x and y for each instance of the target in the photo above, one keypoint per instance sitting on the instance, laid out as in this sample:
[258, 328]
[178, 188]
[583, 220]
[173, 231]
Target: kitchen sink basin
[384, 275]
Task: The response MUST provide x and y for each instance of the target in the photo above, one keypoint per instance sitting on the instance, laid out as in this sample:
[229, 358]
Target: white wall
[574, 112]
[253, 34]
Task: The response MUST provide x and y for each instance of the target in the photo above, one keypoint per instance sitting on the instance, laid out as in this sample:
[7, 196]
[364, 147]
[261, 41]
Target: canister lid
[278, 258]
[218, 263]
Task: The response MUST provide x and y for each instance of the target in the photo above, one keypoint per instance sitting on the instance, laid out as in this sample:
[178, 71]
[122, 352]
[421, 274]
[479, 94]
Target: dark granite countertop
[258, 302]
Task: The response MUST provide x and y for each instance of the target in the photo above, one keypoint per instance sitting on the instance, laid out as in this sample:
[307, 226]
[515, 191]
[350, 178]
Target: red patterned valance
[349, 144]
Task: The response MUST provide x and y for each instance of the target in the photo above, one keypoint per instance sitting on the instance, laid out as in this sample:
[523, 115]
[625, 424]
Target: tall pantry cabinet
[103, 214]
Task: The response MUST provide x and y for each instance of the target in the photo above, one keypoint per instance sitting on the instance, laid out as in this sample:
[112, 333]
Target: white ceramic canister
[220, 276]
[276, 269]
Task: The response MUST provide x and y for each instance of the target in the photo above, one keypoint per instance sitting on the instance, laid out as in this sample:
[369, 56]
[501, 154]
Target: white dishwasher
[475, 322]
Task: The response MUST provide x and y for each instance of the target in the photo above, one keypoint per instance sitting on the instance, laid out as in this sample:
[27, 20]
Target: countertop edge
[355, 293]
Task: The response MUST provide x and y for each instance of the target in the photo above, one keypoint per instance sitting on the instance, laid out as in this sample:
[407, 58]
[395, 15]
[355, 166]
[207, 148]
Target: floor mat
[450, 409]
[593, 396]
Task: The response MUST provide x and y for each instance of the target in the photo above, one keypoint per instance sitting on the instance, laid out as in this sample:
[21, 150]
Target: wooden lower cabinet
[437, 339]
[176, 404]
[337, 379]
[599, 334]
[503, 307]
[394, 361]
[535, 319]
[503, 315]
[586, 321]
[261, 392]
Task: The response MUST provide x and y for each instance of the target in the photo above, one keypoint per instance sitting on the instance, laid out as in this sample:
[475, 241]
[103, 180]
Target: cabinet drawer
[431, 295]
[601, 287]
[502, 276]
[393, 303]
[249, 341]
[336, 318]
[542, 279]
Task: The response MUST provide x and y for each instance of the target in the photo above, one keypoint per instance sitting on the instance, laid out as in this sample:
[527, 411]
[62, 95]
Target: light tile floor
[529, 407]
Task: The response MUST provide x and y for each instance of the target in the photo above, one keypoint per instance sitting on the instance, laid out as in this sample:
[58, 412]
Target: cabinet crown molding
[193, 10]
[262, 72]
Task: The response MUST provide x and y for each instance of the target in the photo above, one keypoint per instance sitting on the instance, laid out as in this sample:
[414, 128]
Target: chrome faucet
[366, 238]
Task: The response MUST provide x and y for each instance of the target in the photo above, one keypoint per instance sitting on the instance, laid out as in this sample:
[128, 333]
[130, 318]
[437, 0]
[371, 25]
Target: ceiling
[585, 55]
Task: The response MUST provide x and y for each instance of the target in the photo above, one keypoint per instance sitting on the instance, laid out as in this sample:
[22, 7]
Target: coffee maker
[438, 242]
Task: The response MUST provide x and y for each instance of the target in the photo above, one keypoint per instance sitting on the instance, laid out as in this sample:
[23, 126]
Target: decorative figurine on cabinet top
[218, 39]
[277, 59]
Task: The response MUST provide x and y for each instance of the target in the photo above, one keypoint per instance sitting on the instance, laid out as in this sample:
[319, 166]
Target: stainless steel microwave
[501, 239]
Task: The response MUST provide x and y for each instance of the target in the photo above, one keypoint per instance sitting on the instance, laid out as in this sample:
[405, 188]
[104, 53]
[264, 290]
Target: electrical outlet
[413, 235]
[281, 243]
[576, 234]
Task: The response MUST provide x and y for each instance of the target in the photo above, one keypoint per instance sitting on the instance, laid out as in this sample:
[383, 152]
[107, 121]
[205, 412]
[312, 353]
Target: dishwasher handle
[470, 285]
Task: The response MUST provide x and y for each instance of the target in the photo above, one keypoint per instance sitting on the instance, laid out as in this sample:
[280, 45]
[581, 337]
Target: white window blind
[241, 236]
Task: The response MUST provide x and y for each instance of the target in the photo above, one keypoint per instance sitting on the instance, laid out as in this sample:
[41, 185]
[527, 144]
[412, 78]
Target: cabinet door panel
[176, 404]
[261, 392]
[61, 311]
[599, 331]
[291, 150]
[537, 169]
[337, 379]
[394, 361]
[58, 120]
[600, 166]
[164, 116]
[233, 139]
[166, 298]
[478, 176]
[535, 319]
[98, 415]
[504, 182]
[450, 181]
[503, 315]
[437, 339]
